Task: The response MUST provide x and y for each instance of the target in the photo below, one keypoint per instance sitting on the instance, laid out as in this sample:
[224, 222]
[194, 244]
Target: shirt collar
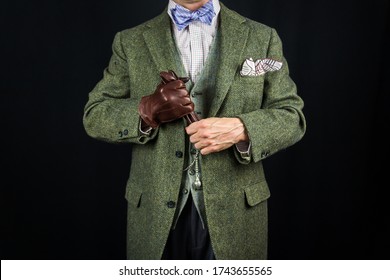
[217, 8]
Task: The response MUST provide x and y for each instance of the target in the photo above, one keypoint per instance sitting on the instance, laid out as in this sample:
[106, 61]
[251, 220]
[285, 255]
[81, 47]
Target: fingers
[184, 79]
[214, 149]
[193, 128]
[174, 90]
[168, 76]
[174, 113]
[177, 84]
[216, 134]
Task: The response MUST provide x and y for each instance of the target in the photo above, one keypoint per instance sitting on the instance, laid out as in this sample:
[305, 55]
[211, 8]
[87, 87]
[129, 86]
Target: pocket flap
[257, 193]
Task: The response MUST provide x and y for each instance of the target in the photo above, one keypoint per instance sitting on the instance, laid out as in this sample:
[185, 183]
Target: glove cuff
[145, 112]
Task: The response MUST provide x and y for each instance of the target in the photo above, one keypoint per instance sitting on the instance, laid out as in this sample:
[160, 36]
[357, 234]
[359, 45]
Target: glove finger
[174, 114]
[168, 77]
[177, 104]
[177, 84]
[173, 74]
[184, 79]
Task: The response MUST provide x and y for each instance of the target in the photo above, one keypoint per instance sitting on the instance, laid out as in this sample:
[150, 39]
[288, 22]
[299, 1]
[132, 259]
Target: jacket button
[264, 154]
[125, 132]
[171, 204]
[179, 154]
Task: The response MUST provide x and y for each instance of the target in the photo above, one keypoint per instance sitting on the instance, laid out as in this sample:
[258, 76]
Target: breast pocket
[246, 94]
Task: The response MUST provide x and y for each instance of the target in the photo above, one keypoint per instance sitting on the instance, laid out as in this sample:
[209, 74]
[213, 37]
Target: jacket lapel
[233, 36]
[159, 41]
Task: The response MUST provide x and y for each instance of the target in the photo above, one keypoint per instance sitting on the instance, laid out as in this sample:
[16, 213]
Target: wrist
[146, 113]
[243, 136]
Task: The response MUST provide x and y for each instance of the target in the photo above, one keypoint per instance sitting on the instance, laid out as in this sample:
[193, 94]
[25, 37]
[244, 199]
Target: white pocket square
[259, 67]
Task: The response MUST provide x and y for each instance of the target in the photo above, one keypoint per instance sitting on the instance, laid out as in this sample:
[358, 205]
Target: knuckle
[203, 124]
[206, 134]
[178, 83]
[207, 142]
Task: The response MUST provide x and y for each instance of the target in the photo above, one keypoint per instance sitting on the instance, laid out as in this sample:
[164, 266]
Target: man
[196, 188]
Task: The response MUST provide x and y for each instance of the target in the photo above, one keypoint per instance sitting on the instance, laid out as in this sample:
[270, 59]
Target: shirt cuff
[244, 148]
[144, 129]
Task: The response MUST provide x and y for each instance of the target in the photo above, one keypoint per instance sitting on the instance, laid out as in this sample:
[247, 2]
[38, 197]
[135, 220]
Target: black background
[62, 193]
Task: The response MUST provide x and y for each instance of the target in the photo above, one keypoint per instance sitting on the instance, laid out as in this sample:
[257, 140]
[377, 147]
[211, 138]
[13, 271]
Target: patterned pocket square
[260, 67]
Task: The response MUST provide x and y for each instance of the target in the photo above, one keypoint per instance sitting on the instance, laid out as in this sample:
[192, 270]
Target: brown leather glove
[170, 101]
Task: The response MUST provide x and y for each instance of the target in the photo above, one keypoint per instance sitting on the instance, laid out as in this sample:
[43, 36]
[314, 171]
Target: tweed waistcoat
[201, 94]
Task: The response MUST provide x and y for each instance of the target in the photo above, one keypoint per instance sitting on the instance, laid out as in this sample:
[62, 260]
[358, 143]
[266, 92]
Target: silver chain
[197, 183]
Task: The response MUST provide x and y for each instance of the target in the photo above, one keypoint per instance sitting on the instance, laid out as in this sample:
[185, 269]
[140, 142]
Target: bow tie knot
[183, 17]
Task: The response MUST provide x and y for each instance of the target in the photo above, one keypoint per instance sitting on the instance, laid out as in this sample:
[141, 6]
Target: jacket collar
[234, 34]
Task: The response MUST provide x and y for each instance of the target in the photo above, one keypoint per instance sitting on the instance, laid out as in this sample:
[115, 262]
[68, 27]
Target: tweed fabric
[235, 192]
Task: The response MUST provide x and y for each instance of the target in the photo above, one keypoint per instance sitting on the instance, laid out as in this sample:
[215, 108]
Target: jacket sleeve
[280, 122]
[111, 113]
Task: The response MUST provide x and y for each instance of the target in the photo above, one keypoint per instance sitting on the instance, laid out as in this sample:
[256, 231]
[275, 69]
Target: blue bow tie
[183, 17]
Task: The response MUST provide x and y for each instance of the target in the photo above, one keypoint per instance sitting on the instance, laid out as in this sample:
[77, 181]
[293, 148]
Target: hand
[216, 134]
[170, 101]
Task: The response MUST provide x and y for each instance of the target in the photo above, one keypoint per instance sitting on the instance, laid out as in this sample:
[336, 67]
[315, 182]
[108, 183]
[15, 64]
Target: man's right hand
[170, 101]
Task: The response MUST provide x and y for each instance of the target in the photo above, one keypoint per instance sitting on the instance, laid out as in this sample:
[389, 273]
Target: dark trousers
[189, 241]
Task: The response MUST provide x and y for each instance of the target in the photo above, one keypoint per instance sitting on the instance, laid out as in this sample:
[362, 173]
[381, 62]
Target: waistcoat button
[171, 204]
[179, 154]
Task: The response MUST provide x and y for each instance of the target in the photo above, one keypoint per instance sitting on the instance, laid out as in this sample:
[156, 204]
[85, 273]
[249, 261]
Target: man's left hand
[216, 134]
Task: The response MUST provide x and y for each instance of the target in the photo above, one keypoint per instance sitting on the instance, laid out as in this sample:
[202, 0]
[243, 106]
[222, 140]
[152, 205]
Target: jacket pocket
[256, 193]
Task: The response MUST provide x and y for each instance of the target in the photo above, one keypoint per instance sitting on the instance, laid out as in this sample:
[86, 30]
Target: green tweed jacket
[235, 190]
